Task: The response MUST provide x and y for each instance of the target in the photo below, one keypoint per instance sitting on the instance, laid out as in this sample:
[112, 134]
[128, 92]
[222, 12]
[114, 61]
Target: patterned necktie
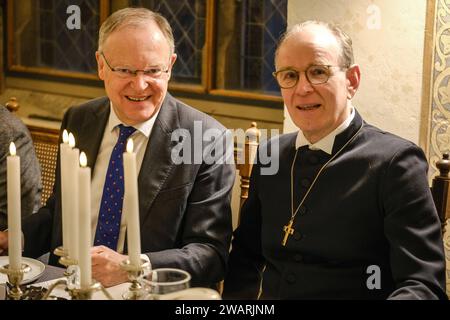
[110, 214]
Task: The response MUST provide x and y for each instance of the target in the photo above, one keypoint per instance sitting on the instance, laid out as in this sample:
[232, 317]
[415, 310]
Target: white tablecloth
[116, 291]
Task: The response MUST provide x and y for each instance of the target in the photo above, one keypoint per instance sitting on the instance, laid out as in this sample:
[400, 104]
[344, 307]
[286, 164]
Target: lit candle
[63, 151]
[131, 205]
[85, 223]
[14, 209]
[73, 157]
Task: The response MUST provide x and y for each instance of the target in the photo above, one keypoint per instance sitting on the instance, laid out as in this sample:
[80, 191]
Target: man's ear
[100, 65]
[353, 79]
[173, 58]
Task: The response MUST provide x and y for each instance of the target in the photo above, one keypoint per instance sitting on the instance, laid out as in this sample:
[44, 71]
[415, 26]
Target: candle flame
[65, 136]
[71, 140]
[130, 145]
[83, 159]
[12, 149]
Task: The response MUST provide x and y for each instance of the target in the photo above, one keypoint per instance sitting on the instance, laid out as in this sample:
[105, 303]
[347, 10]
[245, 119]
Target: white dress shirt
[326, 143]
[109, 140]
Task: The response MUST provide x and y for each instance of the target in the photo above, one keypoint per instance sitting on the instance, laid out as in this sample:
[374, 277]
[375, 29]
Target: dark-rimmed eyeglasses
[154, 72]
[315, 74]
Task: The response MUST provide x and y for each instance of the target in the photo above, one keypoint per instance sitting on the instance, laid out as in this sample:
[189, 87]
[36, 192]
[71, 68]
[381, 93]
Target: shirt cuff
[147, 259]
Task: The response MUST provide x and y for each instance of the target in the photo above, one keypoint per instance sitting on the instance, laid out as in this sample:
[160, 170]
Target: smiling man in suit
[185, 215]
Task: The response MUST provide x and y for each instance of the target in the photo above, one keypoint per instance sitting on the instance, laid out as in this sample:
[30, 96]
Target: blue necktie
[110, 214]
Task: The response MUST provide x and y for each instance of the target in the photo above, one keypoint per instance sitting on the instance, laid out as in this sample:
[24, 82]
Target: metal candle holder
[15, 277]
[60, 252]
[135, 273]
[65, 260]
[77, 293]
[71, 283]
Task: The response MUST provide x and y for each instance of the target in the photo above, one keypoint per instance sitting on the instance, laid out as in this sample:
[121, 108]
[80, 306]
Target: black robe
[367, 230]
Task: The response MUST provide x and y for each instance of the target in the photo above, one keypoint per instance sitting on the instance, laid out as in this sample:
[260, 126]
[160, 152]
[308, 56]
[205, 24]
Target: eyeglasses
[154, 72]
[315, 74]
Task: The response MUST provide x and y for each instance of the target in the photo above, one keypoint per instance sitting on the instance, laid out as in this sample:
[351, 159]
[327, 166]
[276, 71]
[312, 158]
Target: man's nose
[303, 85]
[140, 81]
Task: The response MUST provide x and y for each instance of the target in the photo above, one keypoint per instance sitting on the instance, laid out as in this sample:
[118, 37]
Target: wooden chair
[12, 105]
[46, 145]
[440, 190]
[244, 159]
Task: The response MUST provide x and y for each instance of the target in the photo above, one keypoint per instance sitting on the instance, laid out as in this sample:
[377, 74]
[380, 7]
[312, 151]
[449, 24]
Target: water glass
[166, 280]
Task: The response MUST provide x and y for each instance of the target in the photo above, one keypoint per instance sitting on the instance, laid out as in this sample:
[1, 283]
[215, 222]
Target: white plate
[37, 269]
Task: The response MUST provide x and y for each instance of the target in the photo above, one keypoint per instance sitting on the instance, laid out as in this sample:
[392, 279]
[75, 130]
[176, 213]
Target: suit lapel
[92, 130]
[157, 163]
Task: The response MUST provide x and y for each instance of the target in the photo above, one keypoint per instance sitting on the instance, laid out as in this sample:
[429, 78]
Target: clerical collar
[326, 143]
[144, 127]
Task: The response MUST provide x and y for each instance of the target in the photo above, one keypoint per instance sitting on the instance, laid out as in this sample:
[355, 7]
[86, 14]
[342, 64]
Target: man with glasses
[184, 209]
[350, 214]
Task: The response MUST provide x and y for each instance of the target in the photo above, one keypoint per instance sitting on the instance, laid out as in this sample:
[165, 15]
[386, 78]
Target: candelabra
[135, 274]
[15, 277]
[72, 282]
[75, 291]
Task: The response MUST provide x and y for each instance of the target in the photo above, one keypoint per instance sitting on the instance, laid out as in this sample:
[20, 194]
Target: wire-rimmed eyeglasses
[315, 74]
[154, 72]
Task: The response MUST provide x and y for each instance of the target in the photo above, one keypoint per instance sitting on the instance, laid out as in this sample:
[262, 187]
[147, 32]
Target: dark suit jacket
[185, 215]
[12, 129]
[367, 230]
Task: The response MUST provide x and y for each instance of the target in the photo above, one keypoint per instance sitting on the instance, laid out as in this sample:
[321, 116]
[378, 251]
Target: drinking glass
[164, 281]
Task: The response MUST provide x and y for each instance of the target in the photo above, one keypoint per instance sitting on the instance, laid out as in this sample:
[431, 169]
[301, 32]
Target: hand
[106, 266]
[3, 242]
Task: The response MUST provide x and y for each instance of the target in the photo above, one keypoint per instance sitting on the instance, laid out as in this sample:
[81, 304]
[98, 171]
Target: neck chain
[287, 229]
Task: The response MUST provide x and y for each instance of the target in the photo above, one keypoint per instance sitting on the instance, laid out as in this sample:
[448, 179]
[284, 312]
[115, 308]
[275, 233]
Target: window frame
[207, 86]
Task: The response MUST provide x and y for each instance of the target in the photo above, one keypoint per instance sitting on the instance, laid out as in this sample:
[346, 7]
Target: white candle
[72, 197]
[131, 205]
[14, 209]
[63, 151]
[85, 223]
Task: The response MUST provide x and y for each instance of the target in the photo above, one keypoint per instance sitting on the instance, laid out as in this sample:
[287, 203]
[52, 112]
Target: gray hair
[135, 17]
[344, 41]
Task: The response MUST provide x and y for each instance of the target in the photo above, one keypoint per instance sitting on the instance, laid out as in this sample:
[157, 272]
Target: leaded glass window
[42, 39]
[248, 33]
[224, 47]
[187, 19]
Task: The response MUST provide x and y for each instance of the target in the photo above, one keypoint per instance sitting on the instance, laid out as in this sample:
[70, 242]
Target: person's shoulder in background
[12, 129]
